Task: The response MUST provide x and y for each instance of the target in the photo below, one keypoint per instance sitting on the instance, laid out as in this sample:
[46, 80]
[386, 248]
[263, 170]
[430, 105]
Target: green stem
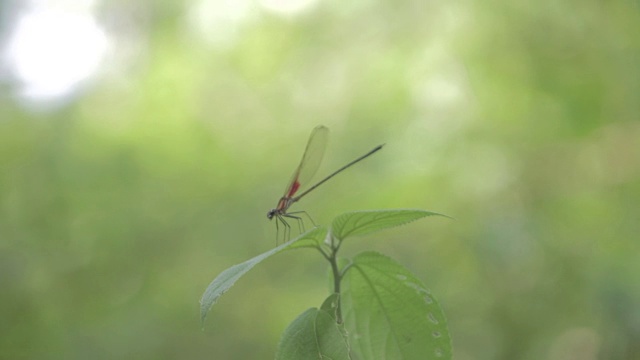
[337, 277]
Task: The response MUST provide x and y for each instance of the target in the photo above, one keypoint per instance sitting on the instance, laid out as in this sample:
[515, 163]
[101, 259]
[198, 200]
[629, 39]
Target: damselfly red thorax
[308, 166]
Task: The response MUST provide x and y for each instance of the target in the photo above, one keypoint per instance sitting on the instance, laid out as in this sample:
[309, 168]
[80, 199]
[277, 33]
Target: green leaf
[389, 314]
[364, 222]
[330, 304]
[313, 335]
[313, 238]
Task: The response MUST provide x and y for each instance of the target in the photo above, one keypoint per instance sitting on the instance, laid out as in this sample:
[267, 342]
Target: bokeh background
[142, 143]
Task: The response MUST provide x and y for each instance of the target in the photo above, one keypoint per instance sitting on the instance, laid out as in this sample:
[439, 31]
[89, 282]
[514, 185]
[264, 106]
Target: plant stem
[337, 277]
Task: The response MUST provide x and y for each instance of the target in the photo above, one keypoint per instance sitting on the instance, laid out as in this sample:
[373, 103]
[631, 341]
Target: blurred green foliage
[119, 204]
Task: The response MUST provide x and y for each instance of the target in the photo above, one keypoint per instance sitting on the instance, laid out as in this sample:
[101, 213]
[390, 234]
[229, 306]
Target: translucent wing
[311, 160]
